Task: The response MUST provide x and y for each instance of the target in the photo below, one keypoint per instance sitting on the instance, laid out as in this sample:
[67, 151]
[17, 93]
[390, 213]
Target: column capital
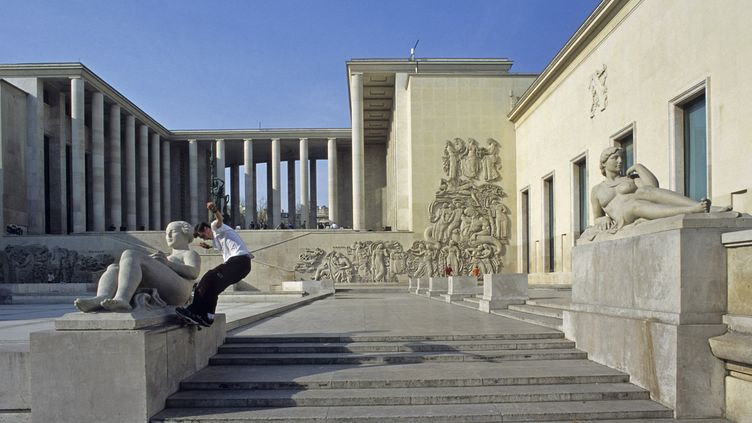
[248, 139]
[191, 140]
[303, 139]
[275, 139]
[219, 139]
[331, 139]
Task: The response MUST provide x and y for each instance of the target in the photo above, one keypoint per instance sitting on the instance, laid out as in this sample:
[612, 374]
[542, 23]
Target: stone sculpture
[469, 226]
[620, 201]
[172, 276]
[37, 264]
[598, 91]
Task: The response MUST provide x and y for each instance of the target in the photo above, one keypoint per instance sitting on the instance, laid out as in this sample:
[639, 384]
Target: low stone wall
[647, 302]
[15, 394]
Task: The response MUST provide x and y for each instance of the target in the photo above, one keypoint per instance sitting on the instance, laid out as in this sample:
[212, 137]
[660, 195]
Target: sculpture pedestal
[647, 301]
[503, 289]
[459, 287]
[125, 375]
[422, 286]
[437, 286]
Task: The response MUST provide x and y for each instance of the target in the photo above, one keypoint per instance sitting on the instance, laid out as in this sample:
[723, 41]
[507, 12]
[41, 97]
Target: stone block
[115, 321]
[115, 375]
[14, 377]
[503, 289]
[437, 285]
[462, 285]
[738, 394]
[412, 284]
[310, 287]
[422, 286]
[663, 290]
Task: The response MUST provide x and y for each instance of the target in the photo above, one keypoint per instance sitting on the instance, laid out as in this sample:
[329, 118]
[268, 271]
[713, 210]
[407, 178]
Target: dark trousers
[217, 280]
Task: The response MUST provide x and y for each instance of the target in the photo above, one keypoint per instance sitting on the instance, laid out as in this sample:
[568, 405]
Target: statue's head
[608, 152]
[179, 234]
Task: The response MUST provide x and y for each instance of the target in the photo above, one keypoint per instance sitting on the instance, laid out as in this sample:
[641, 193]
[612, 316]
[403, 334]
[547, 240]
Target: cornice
[282, 133]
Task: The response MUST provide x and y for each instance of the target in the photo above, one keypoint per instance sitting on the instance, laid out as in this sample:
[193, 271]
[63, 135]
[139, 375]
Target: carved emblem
[598, 91]
[469, 227]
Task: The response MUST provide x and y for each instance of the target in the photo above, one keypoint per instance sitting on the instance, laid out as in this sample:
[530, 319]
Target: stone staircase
[536, 376]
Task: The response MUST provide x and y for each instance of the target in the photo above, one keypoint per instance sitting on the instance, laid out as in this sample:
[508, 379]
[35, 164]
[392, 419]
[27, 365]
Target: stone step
[358, 347]
[406, 396]
[560, 303]
[454, 413]
[392, 338]
[417, 375]
[545, 321]
[474, 300]
[384, 358]
[556, 313]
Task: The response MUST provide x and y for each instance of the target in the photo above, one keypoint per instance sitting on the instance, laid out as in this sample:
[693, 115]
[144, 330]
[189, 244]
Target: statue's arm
[645, 176]
[190, 267]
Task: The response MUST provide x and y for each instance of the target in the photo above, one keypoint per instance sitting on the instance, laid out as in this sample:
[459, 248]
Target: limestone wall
[653, 53]
[12, 156]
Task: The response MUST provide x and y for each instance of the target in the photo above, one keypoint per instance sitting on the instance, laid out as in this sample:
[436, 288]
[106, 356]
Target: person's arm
[218, 221]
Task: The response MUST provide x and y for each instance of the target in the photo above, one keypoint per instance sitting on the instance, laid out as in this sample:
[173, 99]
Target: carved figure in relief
[470, 162]
[378, 264]
[424, 260]
[598, 91]
[500, 221]
[491, 161]
[335, 266]
[483, 256]
[172, 275]
[453, 152]
[452, 252]
[621, 200]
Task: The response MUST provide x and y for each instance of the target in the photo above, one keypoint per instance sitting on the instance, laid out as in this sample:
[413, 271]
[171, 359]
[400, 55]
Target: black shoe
[188, 316]
[204, 321]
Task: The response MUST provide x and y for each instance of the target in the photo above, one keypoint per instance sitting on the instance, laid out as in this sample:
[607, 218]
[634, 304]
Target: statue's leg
[174, 289]
[106, 288]
[650, 210]
[664, 197]
[129, 278]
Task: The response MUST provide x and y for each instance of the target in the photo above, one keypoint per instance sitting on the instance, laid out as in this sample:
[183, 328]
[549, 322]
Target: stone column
[204, 180]
[130, 172]
[269, 196]
[78, 158]
[314, 195]
[276, 197]
[235, 194]
[305, 205]
[114, 169]
[332, 180]
[291, 191]
[248, 177]
[358, 174]
[143, 177]
[97, 160]
[156, 185]
[193, 179]
[34, 159]
[62, 163]
[166, 183]
[220, 160]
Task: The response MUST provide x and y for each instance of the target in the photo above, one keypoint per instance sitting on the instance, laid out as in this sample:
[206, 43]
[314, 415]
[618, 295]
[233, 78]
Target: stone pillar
[220, 160]
[193, 179]
[34, 159]
[358, 174]
[166, 183]
[332, 180]
[143, 177]
[97, 160]
[130, 172]
[314, 200]
[62, 164]
[78, 158]
[291, 192]
[248, 177]
[276, 197]
[304, 199]
[114, 169]
[204, 181]
[235, 194]
[269, 196]
[156, 184]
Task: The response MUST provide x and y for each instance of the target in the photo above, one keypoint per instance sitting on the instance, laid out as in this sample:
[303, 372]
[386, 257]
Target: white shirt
[228, 242]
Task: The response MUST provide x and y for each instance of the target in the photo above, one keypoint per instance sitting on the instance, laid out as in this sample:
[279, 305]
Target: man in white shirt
[236, 265]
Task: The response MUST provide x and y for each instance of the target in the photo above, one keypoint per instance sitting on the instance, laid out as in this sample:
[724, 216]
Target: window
[548, 204]
[580, 192]
[626, 142]
[695, 149]
[525, 213]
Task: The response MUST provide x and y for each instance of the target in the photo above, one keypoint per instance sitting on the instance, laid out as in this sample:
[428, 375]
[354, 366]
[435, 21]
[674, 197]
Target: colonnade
[123, 170]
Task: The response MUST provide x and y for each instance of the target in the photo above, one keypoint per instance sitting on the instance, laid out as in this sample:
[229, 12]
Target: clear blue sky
[232, 64]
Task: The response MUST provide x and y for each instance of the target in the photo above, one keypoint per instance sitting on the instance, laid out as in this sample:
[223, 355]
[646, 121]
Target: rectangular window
[525, 204]
[626, 142]
[695, 149]
[580, 199]
[548, 204]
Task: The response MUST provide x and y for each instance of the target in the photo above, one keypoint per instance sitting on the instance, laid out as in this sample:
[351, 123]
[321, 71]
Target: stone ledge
[737, 238]
[116, 321]
[733, 346]
[652, 315]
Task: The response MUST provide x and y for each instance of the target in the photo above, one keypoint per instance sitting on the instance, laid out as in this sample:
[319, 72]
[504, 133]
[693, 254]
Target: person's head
[611, 153]
[203, 231]
[178, 234]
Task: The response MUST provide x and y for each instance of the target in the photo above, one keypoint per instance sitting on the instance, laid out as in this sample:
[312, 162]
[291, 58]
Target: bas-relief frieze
[38, 264]
[469, 226]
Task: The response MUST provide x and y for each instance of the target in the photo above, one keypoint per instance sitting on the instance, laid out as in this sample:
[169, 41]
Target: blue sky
[281, 64]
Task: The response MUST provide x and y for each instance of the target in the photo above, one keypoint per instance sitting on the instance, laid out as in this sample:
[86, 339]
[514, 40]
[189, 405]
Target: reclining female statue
[173, 276]
[621, 200]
